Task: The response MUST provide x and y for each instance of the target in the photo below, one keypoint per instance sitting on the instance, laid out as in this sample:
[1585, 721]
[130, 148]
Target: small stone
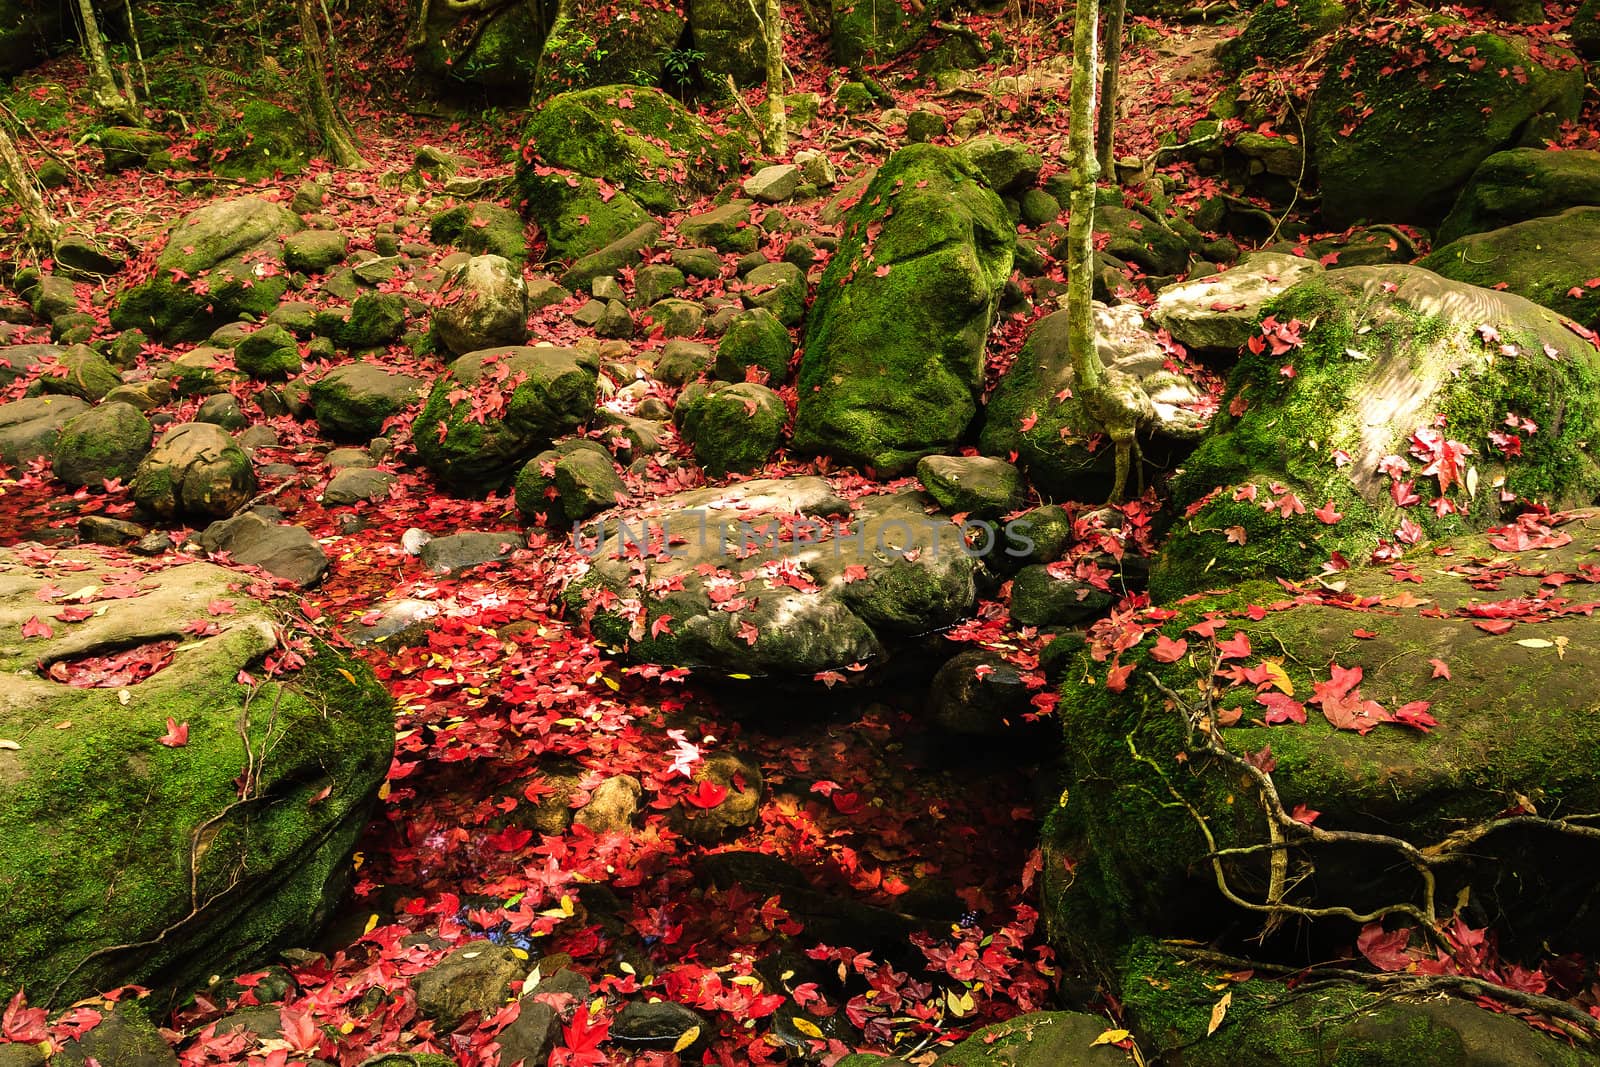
[287, 551]
[612, 805]
[698, 262]
[682, 362]
[615, 321]
[222, 410]
[475, 979]
[356, 484]
[772, 185]
[459, 551]
[100, 530]
[659, 1025]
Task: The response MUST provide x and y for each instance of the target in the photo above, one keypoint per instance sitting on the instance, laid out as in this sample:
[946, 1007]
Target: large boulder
[483, 303]
[132, 856]
[1220, 311]
[729, 33]
[868, 33]
[496, 49]
[494, 409]
[1035, 414]
[630, 137]
[894, 346]
[30, 428]
[611, 42]
[352, 401]
[195, 470]
[1521, 184]
[774, 577]
[102, 444]
[1382, 406]
[221, 262]
[1548, 259]
[1426, 709]
[578, 215]
[1278, 33]
[1375, 159]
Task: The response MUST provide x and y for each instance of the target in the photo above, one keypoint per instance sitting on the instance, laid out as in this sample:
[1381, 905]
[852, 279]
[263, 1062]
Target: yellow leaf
[611, 683]
[1280, 678]
[10, 746]
[358, 859]
[1110, 1037]
[626, 968]
[689, 1037]
[807, 1027]
[595, 1005]
[372, 924]
[1219, 1011]
[383, 791]
[348, 676]
[959, 1005]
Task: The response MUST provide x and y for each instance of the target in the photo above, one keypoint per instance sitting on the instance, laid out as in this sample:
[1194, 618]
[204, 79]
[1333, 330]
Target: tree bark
[17, 178]
[1080, 226]
[337, 140]
[1105, 139]
[777, 136]
[102, 83]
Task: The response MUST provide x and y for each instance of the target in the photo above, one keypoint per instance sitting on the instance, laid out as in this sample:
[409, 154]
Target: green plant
[679, 64]
[568, 56]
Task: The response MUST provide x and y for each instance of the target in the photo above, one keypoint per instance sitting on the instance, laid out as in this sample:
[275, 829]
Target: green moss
[577, 219]
[262, 140]
[894, 360]
[754, 339]
[1281, 34]
[482, 229]
[731, 427]
[1545, 259]
[865, 31]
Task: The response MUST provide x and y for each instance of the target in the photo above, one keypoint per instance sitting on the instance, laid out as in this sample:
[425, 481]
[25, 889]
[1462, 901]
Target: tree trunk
[17, 178]
[1080, 226]
[1105, 146]
[337, 140]
[777, 138]
[102, 83]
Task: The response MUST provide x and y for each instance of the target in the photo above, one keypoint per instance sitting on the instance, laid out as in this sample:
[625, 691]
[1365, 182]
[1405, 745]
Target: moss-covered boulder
[494, 51]
[79, 371]
[1278, 33]
[1547, 259]
[194, 471]
[729, 34]
[314, 251]
[1415, 701]
[731, 426]
[1169, 1004]
[102, 444]
[1395, 147]
[1039, 1039]
[496, 408]
[221, 263]
[754, 339]
[352, 401]
[262, 140]
[569, 483]
[610, 42]
[895, 340]
[484, 229]
[637, 139]
[816, 584]
[1520, 184]
[577, 215]
[1035, 415]
[371, 320]
[483, 303]
[865, 32]
[130, 147]
[269, 354]
[131, 855]
[1382, 406]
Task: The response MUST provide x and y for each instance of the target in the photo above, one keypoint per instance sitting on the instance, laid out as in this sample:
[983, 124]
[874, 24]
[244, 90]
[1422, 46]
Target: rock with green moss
[82, 372]
[754, 339]
[1375, 159]
[638, 139]
[372, 320]
[483, 303]
[1169, 1005]
[1521, 184]
[975, 485]
[30, 427]
[729, 33]
[1007, 166]
[262, 141]
[194, 471]
[496, 408]
[1039, 1039]
[314, 251]
[102, 819]
[826, 583]
[1547, 259]
[611, 42]
[895, 339]
[780, 288]
[578, 215]
[497, 51]
[130, 147]
[104, 443]
[726, 227]
[482, 228]
[124, 1035]
[1035, 414]
[569, 483]
[269, 354]
[1390, 361]
[870, 33]
[222, 262]
[352, 401]
[1412, 700]
[731, 426]
[1278, 34]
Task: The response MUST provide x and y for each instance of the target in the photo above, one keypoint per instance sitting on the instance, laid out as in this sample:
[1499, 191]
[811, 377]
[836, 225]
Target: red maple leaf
[1167, 650]
[707, 794]
[1235, 647]
[177, 734]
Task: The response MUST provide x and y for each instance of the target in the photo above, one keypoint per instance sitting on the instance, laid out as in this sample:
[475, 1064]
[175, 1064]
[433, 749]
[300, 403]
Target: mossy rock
[1521, 184]
[1169, 1005]
[221, 263]
[102, 444]
[730, 35]
[1427, 130]
[269, 354]
[754, 339]
[263, 140]
[570, 482]
[373, 320]
[598, 43]
[83, 373]
[195, 470]
[482, 229]
[1387, 351]
[1279, 34]
[497, 52]
[352, 401]
[1585, 29]
[314, 251]
[130, 147]
[732, 426]
[577, 215]
[102, 819]
[1038, 1039]
[895, 338]
[1515, 716]
[865, 32]
[519, 400]
[1545, 259]
[638, 139]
